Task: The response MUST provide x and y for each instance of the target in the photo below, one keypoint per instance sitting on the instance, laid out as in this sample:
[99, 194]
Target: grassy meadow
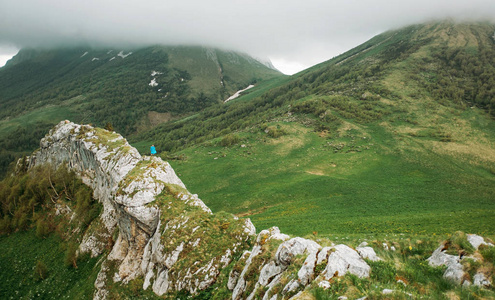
[34, 268]
[359, 183]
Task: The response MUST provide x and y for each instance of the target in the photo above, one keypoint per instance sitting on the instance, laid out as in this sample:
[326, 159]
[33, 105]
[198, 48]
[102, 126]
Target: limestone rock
[272, 233]
[363, 244]
[161, 284]
[454, 270]
[368, 253]
[234, 274]
[387, 291]
[269, 271]
[268, 294]
[287, 250]
[323, 255]
[306, 273]
[241, 282]
[440, 258]
[477, 241]
[283, 257]
[249, 227]
[324, 285]
[344, 259]
[481, 280]
[291, 287]
[278, 264]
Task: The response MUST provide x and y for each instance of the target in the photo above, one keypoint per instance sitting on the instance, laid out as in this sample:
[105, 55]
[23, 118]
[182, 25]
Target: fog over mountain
[293, 34]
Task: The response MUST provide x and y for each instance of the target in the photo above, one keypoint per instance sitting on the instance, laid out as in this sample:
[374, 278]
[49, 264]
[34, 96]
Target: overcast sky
[293, 34]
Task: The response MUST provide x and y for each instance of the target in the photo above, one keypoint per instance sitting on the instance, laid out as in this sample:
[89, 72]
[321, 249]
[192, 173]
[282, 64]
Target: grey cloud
[304, 31]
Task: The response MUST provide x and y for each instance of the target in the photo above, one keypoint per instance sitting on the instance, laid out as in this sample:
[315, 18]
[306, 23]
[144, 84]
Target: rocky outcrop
[129, 185]
[170, 238]
[281, 272]
[454, 270]
[454, 261]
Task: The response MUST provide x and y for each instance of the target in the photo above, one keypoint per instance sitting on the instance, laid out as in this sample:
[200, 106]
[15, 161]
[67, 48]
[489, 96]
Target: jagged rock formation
[161, 233]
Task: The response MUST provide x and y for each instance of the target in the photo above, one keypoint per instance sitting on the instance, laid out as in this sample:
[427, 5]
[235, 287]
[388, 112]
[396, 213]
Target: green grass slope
[33, 268]
[394, 136]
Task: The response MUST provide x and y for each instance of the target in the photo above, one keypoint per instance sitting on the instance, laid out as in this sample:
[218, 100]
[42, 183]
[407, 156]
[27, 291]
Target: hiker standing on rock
[152, 150]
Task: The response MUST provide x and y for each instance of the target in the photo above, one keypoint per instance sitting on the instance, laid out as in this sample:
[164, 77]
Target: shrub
[229, 140]
[71, 255]
[274, 132]
[40, 271]
[42, 228]
[382, 271]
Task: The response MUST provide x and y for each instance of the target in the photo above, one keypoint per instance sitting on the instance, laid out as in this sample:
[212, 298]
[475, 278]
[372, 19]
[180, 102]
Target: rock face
[170, 238]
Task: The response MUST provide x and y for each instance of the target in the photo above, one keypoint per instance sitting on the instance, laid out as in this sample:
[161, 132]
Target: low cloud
[296, 32]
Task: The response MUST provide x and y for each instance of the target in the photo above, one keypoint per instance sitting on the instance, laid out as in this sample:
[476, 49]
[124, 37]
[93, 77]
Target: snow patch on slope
[154, 73]
[238, 93]
[153, 82]
[121, 54]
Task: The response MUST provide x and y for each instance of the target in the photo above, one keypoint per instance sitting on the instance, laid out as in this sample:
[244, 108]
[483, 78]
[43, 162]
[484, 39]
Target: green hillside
[129, 90]
[392, 143]
[394, 136]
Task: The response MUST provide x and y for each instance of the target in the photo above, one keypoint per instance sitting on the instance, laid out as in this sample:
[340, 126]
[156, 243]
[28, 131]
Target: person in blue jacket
[152, 150]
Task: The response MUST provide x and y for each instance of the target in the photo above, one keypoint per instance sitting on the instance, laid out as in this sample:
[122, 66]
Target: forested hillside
[453, 64]
[127, 90]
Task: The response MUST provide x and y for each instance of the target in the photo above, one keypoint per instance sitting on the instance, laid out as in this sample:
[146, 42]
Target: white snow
[109, 51]
[95, 58]
[153, 82]
[154, 73]
[112, 58]
[121, 54]
[238, 93]
[84, 54]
